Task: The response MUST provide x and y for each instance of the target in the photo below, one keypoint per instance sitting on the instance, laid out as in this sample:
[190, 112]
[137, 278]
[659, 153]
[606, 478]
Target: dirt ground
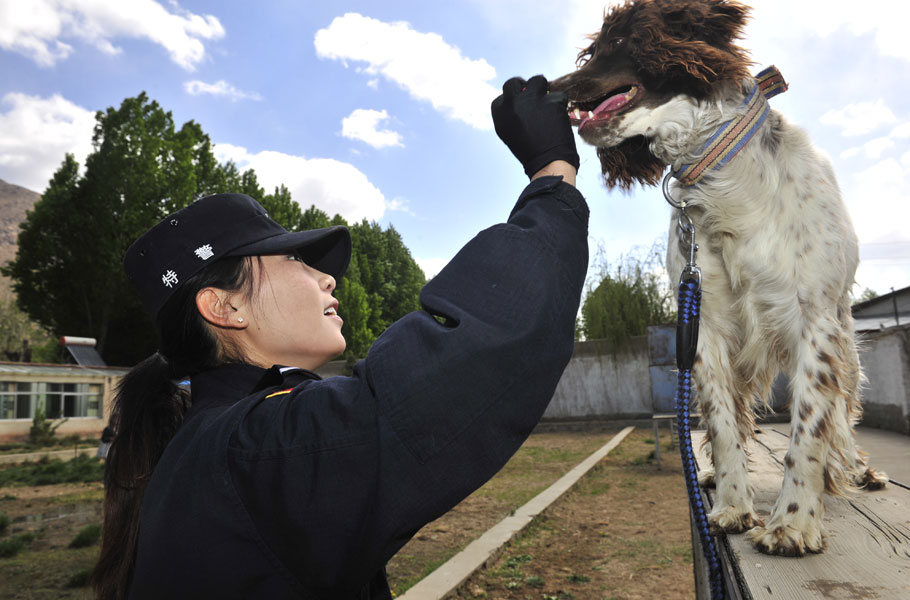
[544, 458]
[54, 514]
[621, 533]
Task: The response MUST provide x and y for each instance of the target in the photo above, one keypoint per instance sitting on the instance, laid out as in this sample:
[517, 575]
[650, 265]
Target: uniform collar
[280, 375]
[227, 384]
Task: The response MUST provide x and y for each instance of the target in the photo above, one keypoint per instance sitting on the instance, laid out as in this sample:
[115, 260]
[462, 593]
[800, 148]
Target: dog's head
[647, 53]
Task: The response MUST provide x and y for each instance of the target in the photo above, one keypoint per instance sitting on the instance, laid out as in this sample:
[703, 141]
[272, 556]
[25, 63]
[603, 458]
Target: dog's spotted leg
[861, 474]
[732, 511]
[817, 459]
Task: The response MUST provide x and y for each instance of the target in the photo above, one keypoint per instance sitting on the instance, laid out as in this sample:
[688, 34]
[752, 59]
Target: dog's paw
[706, 478]
[784, 540]
[870, 479]
[732, 520]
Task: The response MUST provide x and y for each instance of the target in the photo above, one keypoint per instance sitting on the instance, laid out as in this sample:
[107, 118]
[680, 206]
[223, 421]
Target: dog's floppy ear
[717, 22]
[697, 37]
[630, 162]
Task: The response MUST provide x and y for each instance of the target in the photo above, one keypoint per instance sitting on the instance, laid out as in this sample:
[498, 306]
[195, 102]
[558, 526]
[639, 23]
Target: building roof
[884, 311]
[11, 368]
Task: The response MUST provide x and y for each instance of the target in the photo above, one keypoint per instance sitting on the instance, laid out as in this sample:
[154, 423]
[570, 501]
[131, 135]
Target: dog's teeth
[577, 114]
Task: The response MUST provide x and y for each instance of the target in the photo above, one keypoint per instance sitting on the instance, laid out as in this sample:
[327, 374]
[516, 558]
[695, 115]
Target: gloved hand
[534, 124]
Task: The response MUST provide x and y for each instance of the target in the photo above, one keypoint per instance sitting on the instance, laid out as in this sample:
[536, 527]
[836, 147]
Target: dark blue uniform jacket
[284, 485]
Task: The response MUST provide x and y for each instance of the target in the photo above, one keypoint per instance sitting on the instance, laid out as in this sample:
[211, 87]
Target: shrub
[79, 579]
[88, 536]
[14, 545]
[47, 471]
[43, 431]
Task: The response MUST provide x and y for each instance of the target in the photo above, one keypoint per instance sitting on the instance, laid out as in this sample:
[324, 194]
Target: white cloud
[37, 28]
[860, 118]
[773, 20]
[902, 131]
[879, 201]
[873, 149]
[363, 125]
[424, 64]
[219, 88]
[333, 186]
[400, 204]
[431, 266]
[37, 133]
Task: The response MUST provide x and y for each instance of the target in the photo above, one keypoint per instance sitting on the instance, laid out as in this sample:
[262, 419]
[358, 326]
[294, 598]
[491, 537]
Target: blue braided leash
[689, 301]
[686, 340]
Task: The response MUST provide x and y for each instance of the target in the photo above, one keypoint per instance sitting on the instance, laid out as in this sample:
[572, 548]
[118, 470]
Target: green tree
[67, 273]
[388, 273]
[22, 340]
[627, 299]
[868, 294]
[42, 431]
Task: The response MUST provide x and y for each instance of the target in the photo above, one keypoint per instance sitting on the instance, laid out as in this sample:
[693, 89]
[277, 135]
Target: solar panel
[86, 356]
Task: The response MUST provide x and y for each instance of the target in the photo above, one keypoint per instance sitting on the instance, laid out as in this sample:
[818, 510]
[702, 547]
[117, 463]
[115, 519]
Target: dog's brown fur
[657, 38]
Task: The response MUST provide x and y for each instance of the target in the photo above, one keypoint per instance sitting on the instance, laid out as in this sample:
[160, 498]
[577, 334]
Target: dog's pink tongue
[614, 103]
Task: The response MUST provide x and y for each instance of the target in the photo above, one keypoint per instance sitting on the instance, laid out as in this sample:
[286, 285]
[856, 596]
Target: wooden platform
[868, 535]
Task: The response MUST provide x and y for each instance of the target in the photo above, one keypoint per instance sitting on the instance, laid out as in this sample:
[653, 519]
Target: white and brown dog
[778, 252]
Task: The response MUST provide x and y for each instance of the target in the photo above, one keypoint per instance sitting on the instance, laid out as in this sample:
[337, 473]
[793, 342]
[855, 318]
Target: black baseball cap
[215, 227]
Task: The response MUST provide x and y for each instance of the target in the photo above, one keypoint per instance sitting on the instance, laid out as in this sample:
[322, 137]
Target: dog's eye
[617, 42]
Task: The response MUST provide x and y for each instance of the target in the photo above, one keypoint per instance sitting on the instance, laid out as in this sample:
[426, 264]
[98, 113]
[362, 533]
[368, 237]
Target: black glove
[534, 124]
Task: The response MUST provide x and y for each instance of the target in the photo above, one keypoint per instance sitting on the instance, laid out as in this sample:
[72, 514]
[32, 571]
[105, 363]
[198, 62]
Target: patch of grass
[42, 573]
[629, 484]
[535, 581]
[14, 545]
[8, 497]
[94, 493]
[87, 536]
[4, 522]
[513, 562]
[48, 471]
[57, 443]
[79, 579]
[405, 584]
[588, 487]
[576, 578]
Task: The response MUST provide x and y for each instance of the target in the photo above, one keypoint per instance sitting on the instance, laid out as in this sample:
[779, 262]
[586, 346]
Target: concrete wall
[613, 383]
[604, 382]
[885, 356]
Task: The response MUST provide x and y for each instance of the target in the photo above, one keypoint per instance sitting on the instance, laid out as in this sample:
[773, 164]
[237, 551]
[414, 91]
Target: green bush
[88, 536]
[42, 431]
[47, 471]
[14, 545]
[79, 579]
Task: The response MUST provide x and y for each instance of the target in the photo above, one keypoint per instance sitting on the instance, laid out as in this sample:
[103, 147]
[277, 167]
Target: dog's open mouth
[585, 112]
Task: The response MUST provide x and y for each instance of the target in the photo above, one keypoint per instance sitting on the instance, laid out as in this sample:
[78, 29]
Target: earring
[240, 319]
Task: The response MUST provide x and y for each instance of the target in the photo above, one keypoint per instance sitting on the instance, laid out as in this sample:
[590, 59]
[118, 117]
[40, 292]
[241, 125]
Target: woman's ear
[214, 306]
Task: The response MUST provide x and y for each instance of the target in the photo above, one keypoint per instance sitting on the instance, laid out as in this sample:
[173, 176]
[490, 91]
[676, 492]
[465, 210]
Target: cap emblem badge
[169, 279]
[205, 252]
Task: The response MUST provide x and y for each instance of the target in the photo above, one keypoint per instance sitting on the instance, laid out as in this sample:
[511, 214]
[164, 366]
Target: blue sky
[380, 110]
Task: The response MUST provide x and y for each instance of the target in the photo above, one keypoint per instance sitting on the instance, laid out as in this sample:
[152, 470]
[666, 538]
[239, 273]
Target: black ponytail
[148, 409]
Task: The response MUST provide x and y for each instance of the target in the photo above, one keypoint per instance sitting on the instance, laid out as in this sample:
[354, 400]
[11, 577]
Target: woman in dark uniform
[270, 482]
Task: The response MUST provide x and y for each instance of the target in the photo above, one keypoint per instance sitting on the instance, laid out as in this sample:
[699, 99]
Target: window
[15, 400]
[21, 400]
[73, 400]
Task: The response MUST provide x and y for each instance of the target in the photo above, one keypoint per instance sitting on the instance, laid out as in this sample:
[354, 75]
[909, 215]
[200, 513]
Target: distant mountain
[15, 200]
